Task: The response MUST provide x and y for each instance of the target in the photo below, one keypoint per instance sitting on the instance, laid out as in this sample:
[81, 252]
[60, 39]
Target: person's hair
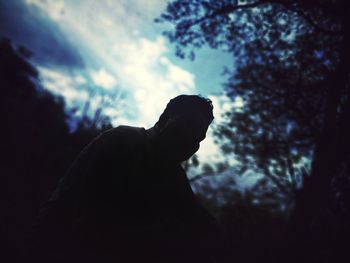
[188, 106]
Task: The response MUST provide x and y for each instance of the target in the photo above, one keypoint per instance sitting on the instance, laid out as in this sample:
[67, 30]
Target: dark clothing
[121, 200]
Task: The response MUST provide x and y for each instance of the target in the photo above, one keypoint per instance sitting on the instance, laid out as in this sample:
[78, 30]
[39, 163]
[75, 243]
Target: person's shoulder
[124, 131]
[123, 135]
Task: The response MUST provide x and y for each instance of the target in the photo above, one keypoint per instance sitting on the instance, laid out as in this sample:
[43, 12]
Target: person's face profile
[181, 137]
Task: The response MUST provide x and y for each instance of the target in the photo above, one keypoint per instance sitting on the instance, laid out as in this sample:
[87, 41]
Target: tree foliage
[291, 70]
[289, 59]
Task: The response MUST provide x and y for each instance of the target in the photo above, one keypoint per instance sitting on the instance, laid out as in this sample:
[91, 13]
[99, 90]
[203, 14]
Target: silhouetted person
[126, 198]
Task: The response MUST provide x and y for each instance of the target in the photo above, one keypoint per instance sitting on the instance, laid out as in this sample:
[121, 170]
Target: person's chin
[185, 157]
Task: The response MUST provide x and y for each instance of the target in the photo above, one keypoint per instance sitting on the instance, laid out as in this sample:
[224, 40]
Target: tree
[292, 72]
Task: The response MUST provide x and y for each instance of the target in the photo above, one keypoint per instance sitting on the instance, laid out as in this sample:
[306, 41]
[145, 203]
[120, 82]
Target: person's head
[183, 125]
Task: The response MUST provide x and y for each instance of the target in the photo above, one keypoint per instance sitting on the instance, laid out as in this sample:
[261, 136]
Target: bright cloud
[80, 80]
[178, 75]
[103, 79]
[64, 84]
[151, 81]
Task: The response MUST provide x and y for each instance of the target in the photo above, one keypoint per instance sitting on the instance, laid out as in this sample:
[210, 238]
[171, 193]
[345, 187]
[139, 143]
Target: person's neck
[159, 153]
[152, 133]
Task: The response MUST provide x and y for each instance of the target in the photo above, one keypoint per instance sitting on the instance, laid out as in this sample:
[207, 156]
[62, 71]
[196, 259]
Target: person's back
[125, 199]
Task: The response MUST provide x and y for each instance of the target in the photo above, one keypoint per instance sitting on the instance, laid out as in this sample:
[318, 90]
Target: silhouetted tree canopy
[291, 70]
[287, 55]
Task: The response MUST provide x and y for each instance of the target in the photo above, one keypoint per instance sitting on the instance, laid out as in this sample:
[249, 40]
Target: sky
[111, 55]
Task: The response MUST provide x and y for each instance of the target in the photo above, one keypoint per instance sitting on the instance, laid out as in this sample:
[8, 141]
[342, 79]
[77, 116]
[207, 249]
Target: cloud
[80, 80]
[151, 78]
[64, 84]
[103, 79]
[176, 74]
[73, 87]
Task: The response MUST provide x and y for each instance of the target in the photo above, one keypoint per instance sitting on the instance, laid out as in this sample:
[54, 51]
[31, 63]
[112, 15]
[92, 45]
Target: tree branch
[203, 175]
[230, 8]
[225, 10]
[275, 181]
[211, 174]
[290, 166]
[310, 21]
